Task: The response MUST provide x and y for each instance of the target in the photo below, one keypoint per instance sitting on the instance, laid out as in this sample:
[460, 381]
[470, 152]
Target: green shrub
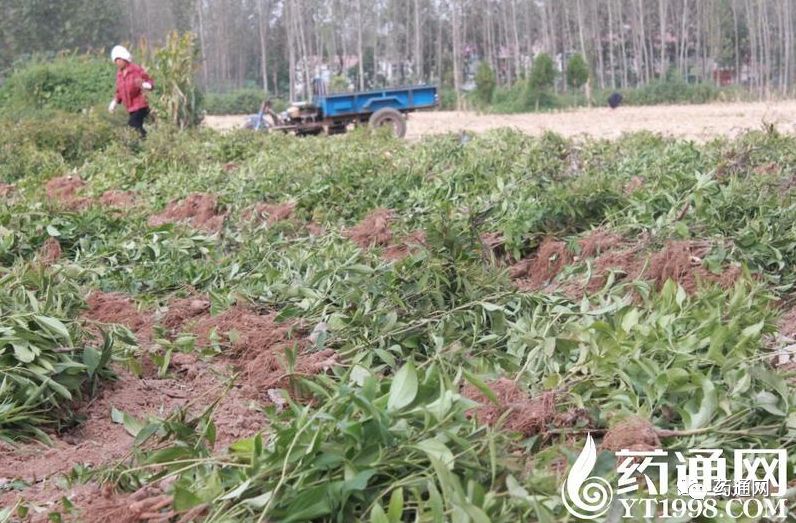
[577, 71]
[540, 81]
[239, 101]
[69, 83]
[671, 91]
[485, 83]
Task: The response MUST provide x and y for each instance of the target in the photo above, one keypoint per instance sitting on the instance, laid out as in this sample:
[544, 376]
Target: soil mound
[65, 190]
[258, 345]
[405, 246]
[118, 308]
[527, 415]
[635, 183]
[540, 270]
[118, 199]
[185, 311]
[634, 433]
[597, 242]
[270, 213]
[373, 230]
[6, 189]
[200, 211]
[49, 252]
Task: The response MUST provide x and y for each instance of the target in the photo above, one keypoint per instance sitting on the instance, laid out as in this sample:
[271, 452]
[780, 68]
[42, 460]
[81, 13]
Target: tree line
[281, 45]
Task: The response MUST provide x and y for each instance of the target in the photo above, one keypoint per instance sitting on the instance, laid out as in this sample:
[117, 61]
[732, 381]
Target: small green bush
[577, 71]
[485, 83]
[239, 101]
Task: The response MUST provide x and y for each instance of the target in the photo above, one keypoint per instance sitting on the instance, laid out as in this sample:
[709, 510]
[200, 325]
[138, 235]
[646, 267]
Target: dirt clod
[543, 267]
[183, 312]
[270, 213]
[200, 211]
[117, 199]
[635, 183]
[527, 415]
[373, 230]
[405, 246]
[64, 190]
[49, 253]
[118, 308]
[597, 242]
[633, 433]
[6, 189]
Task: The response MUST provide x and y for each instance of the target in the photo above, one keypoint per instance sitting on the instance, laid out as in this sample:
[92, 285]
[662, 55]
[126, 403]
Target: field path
[697, 122]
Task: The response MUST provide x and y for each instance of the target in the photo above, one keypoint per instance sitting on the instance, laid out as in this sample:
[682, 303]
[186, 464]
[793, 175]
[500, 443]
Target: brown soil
[49, 252]
[681, 261]
[314, 229]
[373, 230]
[65, 190]
[118, 199]
[598, 241]
[527, 415]
[200, 211]
[405, 246]
[787, 324]
[257, 344]
[99, 441]
[633, 433]
[270, 213]
[113, 307]
[6, 189]
[184, 312]
[635, 183]
[543, 267]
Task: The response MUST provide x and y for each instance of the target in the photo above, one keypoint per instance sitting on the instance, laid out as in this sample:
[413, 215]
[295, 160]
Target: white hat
[121, 52]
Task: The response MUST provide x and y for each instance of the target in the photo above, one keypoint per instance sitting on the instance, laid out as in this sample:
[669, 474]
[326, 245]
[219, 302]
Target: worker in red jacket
[132, 82]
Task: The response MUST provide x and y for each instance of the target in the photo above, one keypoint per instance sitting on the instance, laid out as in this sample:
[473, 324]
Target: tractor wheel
[389, 117]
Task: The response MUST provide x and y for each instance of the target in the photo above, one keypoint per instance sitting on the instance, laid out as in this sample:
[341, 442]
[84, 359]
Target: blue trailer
[334, 113]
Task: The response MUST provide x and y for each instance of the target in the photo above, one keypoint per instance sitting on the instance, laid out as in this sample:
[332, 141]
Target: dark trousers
[136, 120]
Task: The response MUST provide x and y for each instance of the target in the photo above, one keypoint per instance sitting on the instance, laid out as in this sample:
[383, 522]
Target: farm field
[700, 122]
[240, 327]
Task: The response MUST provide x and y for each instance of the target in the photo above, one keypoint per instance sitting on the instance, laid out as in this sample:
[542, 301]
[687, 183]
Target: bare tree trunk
[457, 78]
[291, 49]
[263, 14]
[202, 45]
[611, 45]
[360, 55]
[515, 36]
[623, 45]
[662, 21]
[418, 44]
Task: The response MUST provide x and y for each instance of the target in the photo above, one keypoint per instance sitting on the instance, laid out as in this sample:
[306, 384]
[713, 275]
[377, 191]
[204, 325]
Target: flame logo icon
[586, 497]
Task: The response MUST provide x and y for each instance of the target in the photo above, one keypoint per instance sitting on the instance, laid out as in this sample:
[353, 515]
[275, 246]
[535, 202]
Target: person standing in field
[132, 82]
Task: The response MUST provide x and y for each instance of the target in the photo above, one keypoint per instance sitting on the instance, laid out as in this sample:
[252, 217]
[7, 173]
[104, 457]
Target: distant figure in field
[131, 84]
[614, 100]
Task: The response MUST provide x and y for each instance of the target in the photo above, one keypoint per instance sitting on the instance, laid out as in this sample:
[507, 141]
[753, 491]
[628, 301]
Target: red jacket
[128, 87]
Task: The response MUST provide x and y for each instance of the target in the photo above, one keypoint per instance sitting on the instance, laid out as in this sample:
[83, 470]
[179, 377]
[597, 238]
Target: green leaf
[91, 359]
[396, 507]
[238, 491]
[23, 352]
[437, 450]
[403, 388]
[131, 424]
[53, 231]
[377, 515]
[707, 406]
[55, 327]
[481, 386]
[184, 499]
